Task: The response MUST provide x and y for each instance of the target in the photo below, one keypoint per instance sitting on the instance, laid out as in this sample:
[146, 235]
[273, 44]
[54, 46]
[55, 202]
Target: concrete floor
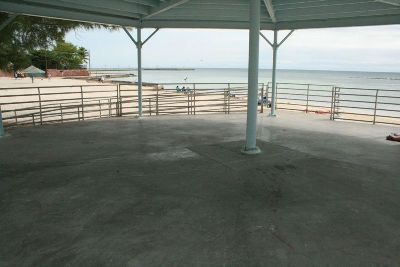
[175, 191]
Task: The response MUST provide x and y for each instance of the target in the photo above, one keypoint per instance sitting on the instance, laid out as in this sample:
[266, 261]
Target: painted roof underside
[224, 14]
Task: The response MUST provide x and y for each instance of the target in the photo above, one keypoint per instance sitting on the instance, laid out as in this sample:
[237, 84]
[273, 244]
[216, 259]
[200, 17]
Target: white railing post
[274, 59]
[139, 67]
[376, 105]
[2, 133]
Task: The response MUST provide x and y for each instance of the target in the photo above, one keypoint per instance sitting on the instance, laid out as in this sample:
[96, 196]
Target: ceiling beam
[390, 2]
[340, 22]
[164, 7]
[200, 13]
[330, 3]
[56, 13]
[111, 5]
[7, 21]
[313, 14]
[270, 9]
[85, 7]
[207, 24]
[130, 36]
[151, 3]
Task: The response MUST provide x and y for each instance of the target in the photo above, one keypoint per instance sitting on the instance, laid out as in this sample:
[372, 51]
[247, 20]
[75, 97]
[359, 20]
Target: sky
[375, 49]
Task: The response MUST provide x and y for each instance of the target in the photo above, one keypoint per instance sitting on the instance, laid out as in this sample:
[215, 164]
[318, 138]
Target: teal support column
[275, 45]
[274, 59]
[2, 133]
[139, 45]
[139, 66]
[252, 97]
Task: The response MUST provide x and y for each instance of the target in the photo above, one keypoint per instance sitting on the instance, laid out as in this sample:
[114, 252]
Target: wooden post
[308, 95]
[100, 108]
[117, 103]
[120, 101]
[40, 106]
[61, 113]
[109, 108]
[83, 112]
[150, 106]
[191, 102]
[1, 124]
[188, 107]
[229, 98]
[376, 105]
[332, 99]
[334, 102]
[157, 102]
[225, 100]
[262, 98]
[16, 117]
[33, 120]
[194, 98]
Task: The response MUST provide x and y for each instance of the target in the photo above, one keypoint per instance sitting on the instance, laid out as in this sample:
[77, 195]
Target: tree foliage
[25, 35]
[62, 56]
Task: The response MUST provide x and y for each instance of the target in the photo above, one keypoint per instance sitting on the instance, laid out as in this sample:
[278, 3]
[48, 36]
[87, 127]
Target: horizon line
[234, 68]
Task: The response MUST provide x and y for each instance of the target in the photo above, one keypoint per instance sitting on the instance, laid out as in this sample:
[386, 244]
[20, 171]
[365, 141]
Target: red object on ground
[393, 137]
[321, 112]
[67, 73]
[6, 74]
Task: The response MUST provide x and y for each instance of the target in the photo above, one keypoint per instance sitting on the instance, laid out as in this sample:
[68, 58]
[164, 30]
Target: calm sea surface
[377, 80]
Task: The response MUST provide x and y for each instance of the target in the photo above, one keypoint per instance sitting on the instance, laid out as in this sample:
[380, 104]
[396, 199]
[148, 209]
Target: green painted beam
[340, 22]
[85, 8]
[151, 3]
[165, 6]
[26, 9]
[368, 14]
[228, 14]
[335, 10]
[121, 6]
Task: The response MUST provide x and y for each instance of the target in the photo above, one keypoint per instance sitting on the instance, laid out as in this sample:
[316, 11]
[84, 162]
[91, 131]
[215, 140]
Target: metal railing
[53, 104]
[305, 97]
[189, 99]
[341, 103]
[367, 105]
[58, 104]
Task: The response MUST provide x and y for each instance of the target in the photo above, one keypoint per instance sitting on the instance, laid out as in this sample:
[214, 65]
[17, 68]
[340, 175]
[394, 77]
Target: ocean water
[376, 80]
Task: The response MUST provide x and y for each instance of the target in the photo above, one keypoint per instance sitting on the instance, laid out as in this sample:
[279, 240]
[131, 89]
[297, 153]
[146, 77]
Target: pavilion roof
[223, 14]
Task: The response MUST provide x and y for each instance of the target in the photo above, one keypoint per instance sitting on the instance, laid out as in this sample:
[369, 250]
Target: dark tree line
[35, 40]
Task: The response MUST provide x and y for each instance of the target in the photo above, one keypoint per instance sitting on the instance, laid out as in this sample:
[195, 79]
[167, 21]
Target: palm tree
[83, 54]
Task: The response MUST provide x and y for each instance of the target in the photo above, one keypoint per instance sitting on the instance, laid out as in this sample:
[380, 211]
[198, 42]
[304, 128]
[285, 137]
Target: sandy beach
[27, 82]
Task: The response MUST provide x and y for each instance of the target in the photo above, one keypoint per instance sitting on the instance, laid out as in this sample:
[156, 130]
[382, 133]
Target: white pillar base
[252, 151]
